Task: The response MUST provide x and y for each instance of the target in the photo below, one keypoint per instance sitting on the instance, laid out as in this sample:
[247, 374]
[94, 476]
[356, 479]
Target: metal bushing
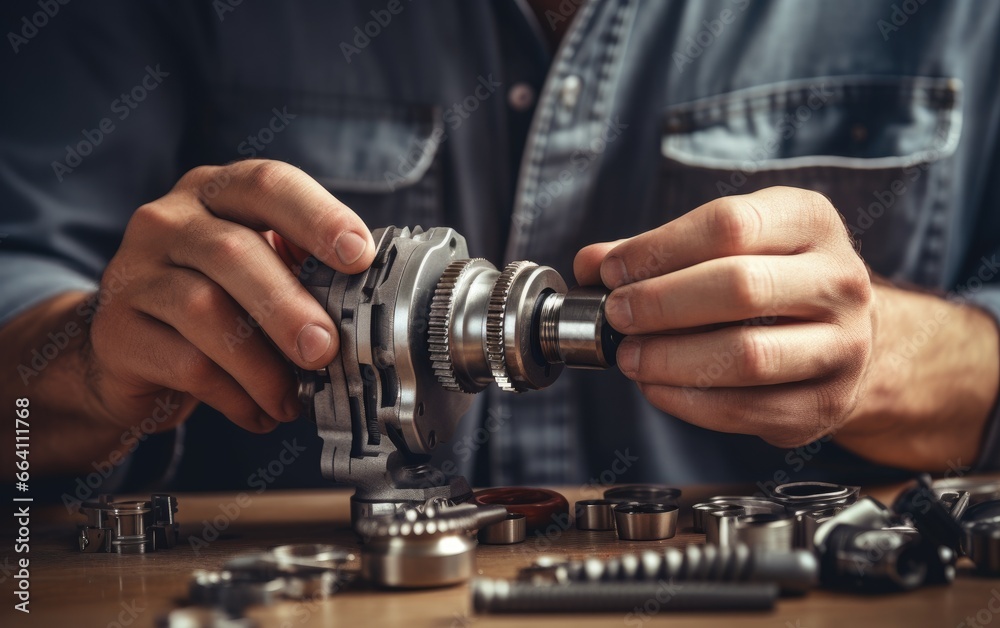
[414, 562]
[797, 495]
[643, 494]
[511, 530]
[595, 514]
[983, 547]
[646, 522]
[719, 523]
[541, 507]
[769, 531]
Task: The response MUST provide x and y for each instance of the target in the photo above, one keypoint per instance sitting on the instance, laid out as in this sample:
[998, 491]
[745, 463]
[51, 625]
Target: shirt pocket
[379, 158]
[877, 147]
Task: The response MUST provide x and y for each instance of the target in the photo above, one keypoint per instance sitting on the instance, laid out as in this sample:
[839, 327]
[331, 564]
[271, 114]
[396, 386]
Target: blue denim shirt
[457, 113]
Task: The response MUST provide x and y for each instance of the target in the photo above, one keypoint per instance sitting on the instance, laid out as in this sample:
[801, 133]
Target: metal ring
[772, 532]
[643, 494]
[511, 530]
[646, 522]
[595, 514]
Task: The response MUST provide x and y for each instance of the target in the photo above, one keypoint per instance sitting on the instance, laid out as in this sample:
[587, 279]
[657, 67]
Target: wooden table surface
[73, 589]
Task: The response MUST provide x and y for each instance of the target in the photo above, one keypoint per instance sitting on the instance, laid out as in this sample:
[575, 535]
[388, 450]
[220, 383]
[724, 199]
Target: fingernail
[313, 342]
[292, 406]
[614, 273]
[350, 247]
[618, 311]
[628, 357]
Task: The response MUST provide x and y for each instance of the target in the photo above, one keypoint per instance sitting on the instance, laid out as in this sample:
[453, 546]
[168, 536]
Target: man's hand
[754, 314]
[193, 268]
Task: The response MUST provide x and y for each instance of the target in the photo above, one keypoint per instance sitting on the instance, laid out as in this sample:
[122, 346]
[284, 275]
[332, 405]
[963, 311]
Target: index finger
[264, 194]
[773, 221]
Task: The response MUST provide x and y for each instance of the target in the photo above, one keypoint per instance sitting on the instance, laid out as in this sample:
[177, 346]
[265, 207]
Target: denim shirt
[457, 113]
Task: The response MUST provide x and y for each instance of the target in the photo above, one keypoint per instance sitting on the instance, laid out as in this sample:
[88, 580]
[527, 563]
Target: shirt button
[569, 92]
[521, 97]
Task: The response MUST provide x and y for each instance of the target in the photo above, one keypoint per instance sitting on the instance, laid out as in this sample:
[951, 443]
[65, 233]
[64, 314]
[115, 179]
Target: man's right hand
[192, 270]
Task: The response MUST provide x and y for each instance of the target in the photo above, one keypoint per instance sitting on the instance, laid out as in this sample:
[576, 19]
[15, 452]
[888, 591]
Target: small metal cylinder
[646, 522]
[414, 562]
[766, 531]
[595, 514]
[511, 530]
[573, 330]
[719, 523]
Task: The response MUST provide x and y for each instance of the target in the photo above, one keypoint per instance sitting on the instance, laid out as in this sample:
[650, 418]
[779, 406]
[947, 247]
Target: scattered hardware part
[424, 547]
[867, 512]
[503, 596]
[987, 511]
[646, 522]
[979, 489]
[541, 507]
[794, 572]
[983, 545]
[643, 494]
[719, 523]
[769, 531]
[595, 514]
[957, 502]
[807, 522]
[511, 530]
[872, 560]
[920, 505]
[752, 505]
[812, 495]
[128, 527]
[420, 329]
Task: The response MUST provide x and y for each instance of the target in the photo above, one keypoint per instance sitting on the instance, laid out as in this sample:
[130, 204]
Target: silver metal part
[979, 489]
[423, 326]
[646, 522]
[595, 514]
[770, 532]
[643, 494]
[132, 527]
[424, 547]
[983, 547]
[719, 523]
[513, 529]
[795, 572]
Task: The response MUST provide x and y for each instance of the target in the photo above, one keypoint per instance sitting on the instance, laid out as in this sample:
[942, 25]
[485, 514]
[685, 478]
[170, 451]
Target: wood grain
[73, 589]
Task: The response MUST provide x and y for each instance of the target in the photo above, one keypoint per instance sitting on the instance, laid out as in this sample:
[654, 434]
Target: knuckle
[752, 285]
[152, 217]
[760, 359]
[194, 177]
[266, 177]
[737, 222]
[203, 300]
[198, 373]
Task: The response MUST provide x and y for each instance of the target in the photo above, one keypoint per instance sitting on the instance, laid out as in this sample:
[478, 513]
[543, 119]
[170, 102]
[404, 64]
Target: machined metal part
[643, 494]
[595, 514]
[920, 505]
[873, 559]
[720, 522]
[983, 547]
[794, 572]
[424, 325]
[128, 527]
[867, 512]
[511, 530]
[812, 495]
[772, 532]
[503, 596]
[426, 547]
[957, 502]
[752, 505]
[808, 521]
[646, 522]
[979, 489]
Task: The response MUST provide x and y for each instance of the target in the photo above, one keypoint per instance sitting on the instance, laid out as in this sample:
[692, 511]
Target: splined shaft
[794, 572]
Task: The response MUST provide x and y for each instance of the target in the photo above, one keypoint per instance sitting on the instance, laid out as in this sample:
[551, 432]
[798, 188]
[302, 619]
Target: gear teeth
[495, 316]
[442, 305]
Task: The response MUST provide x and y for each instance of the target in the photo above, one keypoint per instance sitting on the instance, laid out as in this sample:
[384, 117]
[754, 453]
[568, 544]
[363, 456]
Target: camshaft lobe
[794, 572]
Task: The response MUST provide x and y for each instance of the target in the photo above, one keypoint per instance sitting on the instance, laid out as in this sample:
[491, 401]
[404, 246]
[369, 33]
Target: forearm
[44, 356]
[931, 386]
